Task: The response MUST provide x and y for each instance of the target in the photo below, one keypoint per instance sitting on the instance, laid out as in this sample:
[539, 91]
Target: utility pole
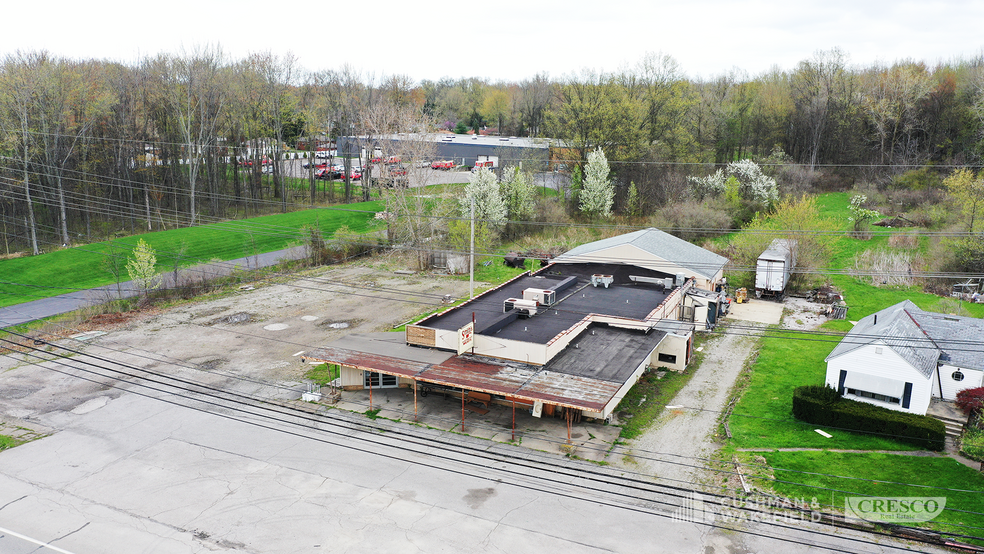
[471, 253]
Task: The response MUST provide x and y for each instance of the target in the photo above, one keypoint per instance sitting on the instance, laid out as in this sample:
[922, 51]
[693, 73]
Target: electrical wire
[540, 479]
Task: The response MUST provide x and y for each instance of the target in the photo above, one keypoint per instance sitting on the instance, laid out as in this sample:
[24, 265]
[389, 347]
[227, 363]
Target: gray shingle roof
[659, 244]
[957, 337]
[921, 338]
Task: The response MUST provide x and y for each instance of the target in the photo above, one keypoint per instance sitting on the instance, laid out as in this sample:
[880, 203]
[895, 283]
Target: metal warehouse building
[462, 149]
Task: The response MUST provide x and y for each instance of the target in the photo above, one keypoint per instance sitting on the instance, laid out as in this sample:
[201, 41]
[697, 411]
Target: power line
[399, 447]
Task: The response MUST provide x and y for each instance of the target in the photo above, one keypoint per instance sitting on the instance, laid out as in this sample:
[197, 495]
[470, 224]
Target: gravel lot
[237, 336]
[672, 449]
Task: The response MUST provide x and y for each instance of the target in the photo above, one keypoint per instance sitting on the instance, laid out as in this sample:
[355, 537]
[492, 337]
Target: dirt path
[680, 434]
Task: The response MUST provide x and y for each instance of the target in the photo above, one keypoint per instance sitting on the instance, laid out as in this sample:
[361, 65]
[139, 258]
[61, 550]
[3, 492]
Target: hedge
[821, 405]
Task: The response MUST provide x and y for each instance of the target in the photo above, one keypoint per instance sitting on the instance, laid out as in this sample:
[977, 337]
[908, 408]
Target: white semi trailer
[773, 268]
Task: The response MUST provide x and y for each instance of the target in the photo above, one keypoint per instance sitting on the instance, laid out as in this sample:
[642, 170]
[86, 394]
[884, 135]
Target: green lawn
[83, 266]
[322, 374]
[7, 442]
[763, 418]
[943, 473]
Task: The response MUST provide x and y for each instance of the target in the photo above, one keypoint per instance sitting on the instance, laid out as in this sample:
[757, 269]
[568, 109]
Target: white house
[902, 357]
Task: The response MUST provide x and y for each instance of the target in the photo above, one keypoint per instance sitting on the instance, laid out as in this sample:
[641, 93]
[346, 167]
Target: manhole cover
[309, 318]
[276, 326]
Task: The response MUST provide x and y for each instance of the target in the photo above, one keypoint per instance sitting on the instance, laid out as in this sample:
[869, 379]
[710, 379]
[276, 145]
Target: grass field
[763, 419]
[885, 475]
[7, 442]
[81, 267]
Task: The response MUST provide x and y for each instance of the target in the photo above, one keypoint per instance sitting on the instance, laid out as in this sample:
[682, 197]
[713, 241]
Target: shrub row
[821, 405]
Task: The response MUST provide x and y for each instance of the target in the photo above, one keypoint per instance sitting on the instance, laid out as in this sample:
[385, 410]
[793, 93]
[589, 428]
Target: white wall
[444, 339]
[506, 349]
[351, 377]
[881, 361]
[972, 378]
[674, 345]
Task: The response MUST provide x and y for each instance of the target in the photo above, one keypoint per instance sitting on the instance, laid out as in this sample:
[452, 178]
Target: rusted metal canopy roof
[522, 383]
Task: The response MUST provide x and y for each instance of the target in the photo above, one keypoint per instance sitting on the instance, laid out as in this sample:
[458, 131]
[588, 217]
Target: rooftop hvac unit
[668, 283]
[599, 279]
[545, 297]
[527, 307]
[680, 279]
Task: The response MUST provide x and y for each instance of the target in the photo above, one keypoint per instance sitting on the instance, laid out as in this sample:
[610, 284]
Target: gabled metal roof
[657, 244]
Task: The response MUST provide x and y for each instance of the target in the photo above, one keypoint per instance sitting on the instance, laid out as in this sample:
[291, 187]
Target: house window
[874, 396]
[957, 376]
[668, 358]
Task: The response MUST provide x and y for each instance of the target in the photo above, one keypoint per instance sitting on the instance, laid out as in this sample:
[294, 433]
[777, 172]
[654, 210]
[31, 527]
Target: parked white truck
[773, 268]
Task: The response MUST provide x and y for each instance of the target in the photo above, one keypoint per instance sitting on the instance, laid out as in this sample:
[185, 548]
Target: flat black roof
[605, 353]
[623, 298]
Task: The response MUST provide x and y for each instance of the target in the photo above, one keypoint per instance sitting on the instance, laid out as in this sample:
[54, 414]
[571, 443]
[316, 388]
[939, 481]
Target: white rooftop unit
[599, 279]
[541, 296]
[526, 306]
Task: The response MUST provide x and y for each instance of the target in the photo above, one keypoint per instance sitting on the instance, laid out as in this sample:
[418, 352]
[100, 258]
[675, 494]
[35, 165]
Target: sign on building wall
[466, 337]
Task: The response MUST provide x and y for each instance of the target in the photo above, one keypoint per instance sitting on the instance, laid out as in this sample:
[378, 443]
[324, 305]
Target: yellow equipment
[741, 295]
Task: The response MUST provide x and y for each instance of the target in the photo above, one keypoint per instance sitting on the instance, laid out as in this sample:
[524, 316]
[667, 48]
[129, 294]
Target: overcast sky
[508, 39]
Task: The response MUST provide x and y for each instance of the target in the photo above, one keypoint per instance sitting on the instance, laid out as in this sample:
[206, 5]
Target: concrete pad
[546, 434]
[759, 311]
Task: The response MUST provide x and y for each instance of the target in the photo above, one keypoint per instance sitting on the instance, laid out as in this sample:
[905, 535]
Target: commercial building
[570, 338]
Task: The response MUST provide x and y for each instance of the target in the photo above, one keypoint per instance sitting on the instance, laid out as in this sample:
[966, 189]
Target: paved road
[123, 472]
[64, 303]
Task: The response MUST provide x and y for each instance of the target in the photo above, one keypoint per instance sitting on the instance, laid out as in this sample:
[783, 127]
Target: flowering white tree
[142, 267]
[483, 187]
[712, 184]
[520, 193]
[753, 184]
[860, 215]
[598, 193]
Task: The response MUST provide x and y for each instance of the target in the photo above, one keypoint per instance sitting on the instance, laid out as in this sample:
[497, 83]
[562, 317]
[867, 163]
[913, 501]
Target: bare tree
[19, 82]
[190, 89]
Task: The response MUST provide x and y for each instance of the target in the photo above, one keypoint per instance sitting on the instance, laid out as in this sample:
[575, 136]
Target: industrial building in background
[461, 150]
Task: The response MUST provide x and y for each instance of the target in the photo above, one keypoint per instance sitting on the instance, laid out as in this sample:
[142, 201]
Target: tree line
[90, 147]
